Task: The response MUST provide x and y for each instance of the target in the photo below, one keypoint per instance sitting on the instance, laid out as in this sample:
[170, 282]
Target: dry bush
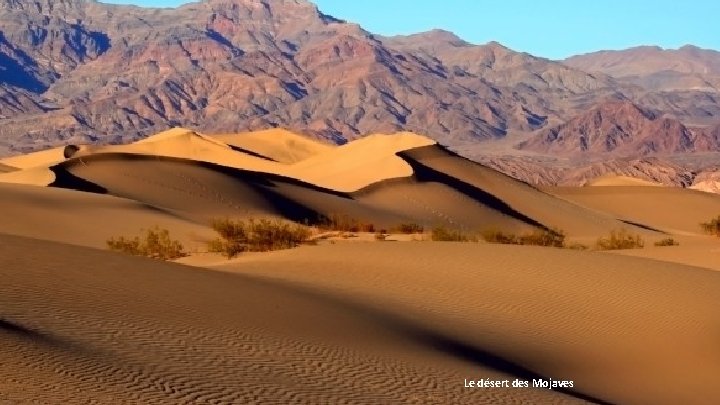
[256, 236]
[440, 233]
[155, 243]
[543, 237]
[408, 228]
[712, 227]
[667, 242]
[577, 246]
[381, 235]
[620, 239]
[538, 237]
[498, 236]
[344, 223]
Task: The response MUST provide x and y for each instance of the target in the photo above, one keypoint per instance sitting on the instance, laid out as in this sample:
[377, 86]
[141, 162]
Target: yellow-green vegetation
[155, 243]
[712, 227]
[620, 239]
[443, 234]
[538, 237]
[408, 228]
[256, 236]
[344, 223]
[667, 242]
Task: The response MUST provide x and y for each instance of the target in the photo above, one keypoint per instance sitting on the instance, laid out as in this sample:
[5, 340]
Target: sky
[553, 29]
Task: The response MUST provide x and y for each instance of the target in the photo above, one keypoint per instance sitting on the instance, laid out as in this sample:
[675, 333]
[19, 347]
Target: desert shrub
[344, 223]
[577, 246]
[538, 237]
[620, 239]
[543, 237]
[381, 235]
[443, 234]
[712, 227]
[667, 242]
[498, 236]
[256, 236]
[155, 243]
[408, 228]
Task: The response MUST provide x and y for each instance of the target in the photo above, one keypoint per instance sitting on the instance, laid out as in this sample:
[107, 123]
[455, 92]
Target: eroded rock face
[81, 71]
[621, 128]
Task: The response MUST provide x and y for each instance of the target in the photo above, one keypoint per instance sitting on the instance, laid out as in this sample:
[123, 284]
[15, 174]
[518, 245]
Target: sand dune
[80, 325]
[186, 144]
[436, 203]
[309, 325]
[34, 176]
[617, 326]
[609, 180]
[5, 168]
[434, 162]
[41, 158]
[359, 163]
[348, 322]
[86, 219]
[673, 210]
[277, 144]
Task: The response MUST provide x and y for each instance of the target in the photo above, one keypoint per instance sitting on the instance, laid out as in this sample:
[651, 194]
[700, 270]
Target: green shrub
[440, 233]
[620, 239]
[667, 242]
[712, 227]
[408, 228]
[155, 243]
[256, 236]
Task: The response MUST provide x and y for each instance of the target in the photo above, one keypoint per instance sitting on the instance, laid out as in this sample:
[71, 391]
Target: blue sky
[553, 29]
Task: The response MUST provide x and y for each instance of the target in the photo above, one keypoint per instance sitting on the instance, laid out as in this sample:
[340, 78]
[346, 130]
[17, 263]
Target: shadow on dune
[267, 185]
[415, 332]
[251, 153]
[426, 174]
[643, 226]
[17, 329]
[65, 179]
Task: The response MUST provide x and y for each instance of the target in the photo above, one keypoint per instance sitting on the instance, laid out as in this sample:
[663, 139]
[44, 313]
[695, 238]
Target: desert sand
[277, 144]
[350, 320]
[7, 168]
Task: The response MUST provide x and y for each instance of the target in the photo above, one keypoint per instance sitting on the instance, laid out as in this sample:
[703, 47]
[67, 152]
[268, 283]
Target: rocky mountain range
[87, 72]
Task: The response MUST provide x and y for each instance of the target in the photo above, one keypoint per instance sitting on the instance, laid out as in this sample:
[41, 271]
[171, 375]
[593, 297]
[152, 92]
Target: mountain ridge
[83, 71]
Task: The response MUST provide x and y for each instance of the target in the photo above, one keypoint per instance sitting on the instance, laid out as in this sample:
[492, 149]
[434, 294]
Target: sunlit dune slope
[359, 163]
[277, 144]
[435, 162]
[670, 209]
[45, 158]
[85, 218]
[34, 176]
[615, 325]
[202, 192]
[80, 325]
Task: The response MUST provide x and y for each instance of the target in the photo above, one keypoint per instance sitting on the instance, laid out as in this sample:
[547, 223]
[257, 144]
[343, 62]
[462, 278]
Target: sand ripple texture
[85, 326]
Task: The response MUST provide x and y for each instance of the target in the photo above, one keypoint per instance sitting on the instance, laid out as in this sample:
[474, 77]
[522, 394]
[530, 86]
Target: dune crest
[360, 163]
[277, 144]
